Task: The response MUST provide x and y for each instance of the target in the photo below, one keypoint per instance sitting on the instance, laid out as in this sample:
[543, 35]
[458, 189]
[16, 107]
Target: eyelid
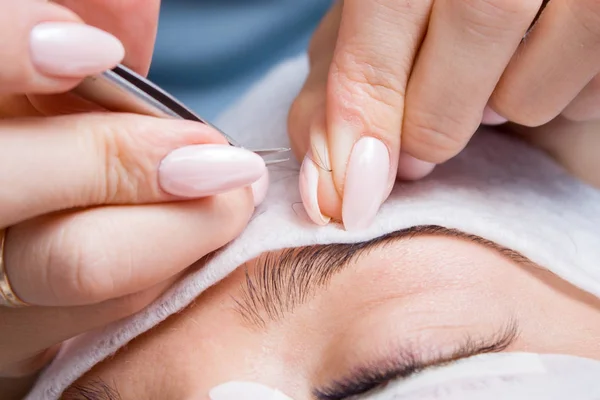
[409, 361]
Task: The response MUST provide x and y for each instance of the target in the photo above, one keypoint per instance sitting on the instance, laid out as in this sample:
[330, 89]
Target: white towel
[497, 188]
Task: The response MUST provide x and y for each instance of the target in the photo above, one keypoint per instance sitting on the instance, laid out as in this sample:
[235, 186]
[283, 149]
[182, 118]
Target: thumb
[50, 49]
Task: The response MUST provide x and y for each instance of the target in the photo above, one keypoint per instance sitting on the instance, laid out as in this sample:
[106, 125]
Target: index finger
[377, 45]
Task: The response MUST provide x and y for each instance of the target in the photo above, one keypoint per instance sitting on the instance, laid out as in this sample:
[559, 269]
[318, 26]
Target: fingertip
[260, 188]
[492, 118]
[413, 169]
[72, 49]
[204, 170]
[366, 185]
[308, 184]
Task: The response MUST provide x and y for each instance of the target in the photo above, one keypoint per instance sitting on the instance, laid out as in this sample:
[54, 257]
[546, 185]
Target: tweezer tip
[277, 150]
[269, 152]
[278, 161]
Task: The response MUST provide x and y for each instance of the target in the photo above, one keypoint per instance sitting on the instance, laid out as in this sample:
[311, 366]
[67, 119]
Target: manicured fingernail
[260, 188]
[245, 391]
[69, 49]
[413, 169]
[207, 169]
[491, 117]
[366, 183]
[309, 182]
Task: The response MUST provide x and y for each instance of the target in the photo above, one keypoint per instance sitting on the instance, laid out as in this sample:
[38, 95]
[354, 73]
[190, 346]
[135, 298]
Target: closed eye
[405, 362]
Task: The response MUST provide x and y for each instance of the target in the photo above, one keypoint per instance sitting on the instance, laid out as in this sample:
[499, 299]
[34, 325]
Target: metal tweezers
[122, 90]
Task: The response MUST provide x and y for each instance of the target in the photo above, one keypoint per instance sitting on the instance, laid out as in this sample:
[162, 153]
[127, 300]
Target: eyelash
[376, 375]
[369, 377]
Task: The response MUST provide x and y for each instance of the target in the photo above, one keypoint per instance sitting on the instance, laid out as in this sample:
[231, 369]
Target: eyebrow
[95, 390]
[281, 281]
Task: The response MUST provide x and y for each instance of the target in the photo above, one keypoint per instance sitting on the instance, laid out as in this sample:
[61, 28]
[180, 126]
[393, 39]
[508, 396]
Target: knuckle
[127, 158]
[435, 138]
[490, 17]
[359, 78]
[502, 8]
[367, 95]
[77, 266]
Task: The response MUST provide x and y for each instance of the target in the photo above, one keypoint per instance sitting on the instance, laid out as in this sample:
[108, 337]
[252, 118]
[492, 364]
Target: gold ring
[8, 297]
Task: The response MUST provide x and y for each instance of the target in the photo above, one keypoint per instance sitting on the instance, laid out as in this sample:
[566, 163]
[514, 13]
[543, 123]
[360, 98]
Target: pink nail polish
[491, 117]
[69, 49]
[366, 183]
[412, 169]
[309, 183]
[208, 169]
[260, 188]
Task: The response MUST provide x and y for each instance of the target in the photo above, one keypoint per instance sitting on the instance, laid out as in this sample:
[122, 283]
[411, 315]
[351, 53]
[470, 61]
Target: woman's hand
[101, 212]
[398, 86]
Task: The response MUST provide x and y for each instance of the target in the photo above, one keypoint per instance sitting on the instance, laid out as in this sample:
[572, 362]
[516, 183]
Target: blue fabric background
[209, 52]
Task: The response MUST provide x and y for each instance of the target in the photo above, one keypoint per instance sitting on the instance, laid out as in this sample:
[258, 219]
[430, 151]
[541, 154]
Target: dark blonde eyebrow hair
[95, 390]
[281, 281]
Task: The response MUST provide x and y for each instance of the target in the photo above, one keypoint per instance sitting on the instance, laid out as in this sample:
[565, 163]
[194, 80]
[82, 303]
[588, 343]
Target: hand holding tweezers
[122, 90]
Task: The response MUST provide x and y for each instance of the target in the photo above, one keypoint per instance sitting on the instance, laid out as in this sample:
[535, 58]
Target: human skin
[431, 294]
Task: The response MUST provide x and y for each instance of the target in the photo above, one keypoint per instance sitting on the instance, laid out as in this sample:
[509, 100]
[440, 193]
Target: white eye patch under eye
[236, 390]
[483, 366]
